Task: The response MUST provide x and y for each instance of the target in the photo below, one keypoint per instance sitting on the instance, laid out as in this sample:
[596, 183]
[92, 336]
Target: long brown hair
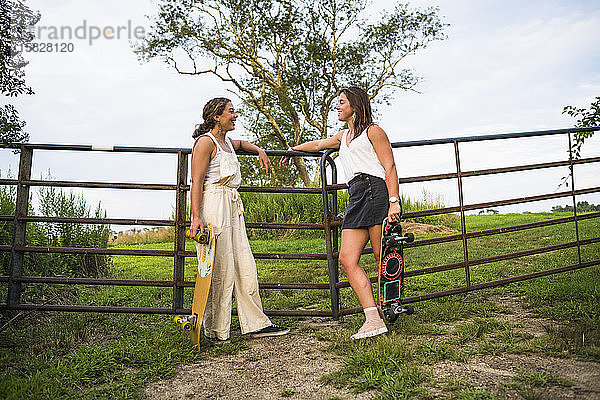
[212, 109]
[361, 104]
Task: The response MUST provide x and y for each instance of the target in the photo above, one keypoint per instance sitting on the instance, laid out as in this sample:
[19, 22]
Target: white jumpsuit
[234, 268]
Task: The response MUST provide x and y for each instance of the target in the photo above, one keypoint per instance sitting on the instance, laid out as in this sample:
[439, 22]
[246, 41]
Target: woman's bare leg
[353, 243]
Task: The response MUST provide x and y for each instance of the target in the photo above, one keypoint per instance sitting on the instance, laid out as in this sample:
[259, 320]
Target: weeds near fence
[145, 235]
[55, 202]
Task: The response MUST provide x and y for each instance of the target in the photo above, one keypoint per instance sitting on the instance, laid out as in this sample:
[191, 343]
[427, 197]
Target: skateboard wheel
[177, 319]
[201, 237]
[186, 326]
[390, 315]
[410, 238]
[408, 309]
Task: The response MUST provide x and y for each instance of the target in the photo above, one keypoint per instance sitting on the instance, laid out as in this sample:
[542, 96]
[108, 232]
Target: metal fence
[329, 226]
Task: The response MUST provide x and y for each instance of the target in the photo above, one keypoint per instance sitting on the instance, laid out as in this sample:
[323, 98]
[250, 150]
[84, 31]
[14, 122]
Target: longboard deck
[390, 282]
[201, 290]
[206, 257]
[391, 266]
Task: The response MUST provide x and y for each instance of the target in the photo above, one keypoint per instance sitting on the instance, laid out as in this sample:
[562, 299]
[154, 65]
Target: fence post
[180, 224]
[334, 212]
[572, 170]
[19, 227]
[332, 263]
[462, 214]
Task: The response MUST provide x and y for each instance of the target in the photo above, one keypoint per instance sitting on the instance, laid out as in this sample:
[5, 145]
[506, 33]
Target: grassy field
[102, 356]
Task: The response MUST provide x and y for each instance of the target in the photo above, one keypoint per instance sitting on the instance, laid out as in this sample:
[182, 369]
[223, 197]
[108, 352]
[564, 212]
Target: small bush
[59, 203]
[56, 203]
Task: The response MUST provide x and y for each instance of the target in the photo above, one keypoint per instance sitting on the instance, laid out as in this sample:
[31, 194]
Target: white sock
[371, 314]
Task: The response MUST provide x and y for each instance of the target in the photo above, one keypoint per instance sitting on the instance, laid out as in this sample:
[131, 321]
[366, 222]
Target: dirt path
[270, 368]
[290, 367]
[493, 372]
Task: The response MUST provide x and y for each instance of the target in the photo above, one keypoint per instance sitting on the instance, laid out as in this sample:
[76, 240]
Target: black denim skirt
[368, 202]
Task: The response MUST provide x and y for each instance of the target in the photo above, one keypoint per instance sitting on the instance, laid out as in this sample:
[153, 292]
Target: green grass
[98, 356]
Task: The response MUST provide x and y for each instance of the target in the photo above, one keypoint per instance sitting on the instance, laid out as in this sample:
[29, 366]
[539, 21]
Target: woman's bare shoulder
[203, 144]
[376, 133]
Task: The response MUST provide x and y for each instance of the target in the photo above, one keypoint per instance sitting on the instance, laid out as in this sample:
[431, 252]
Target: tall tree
[287, 59]
[16, 23]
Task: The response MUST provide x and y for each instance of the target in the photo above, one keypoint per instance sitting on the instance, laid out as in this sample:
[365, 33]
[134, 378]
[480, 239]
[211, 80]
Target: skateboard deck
[390, 281]
[205, 246]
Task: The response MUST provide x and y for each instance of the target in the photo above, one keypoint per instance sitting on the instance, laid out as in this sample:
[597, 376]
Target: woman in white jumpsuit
[215, 200]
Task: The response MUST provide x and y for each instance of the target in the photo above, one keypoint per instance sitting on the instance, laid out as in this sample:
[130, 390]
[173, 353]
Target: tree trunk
[299, 163]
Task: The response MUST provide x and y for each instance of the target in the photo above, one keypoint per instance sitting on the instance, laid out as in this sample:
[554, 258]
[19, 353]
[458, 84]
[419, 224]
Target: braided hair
[212, 109]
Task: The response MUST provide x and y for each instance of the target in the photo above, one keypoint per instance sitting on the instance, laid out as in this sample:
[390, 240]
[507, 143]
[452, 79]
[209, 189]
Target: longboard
[205, 246]
[390, 282]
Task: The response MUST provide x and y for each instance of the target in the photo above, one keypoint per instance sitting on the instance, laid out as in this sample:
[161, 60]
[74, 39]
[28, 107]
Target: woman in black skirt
[365, 154]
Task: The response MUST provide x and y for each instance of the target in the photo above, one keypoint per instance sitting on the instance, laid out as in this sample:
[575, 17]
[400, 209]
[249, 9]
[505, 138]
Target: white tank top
[224, 168]
[359, 157]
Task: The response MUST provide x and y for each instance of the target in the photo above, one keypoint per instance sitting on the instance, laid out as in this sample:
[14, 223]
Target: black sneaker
[272, 330]
[217, 341]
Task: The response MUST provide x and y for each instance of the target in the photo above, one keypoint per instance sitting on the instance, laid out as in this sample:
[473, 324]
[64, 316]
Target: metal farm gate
[330, 224]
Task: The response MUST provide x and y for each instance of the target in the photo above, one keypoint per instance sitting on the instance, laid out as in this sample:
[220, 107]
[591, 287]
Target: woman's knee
[347, 260]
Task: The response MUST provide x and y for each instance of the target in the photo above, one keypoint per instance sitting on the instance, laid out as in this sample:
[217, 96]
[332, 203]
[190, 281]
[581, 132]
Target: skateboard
[205, 245]
[391, 270]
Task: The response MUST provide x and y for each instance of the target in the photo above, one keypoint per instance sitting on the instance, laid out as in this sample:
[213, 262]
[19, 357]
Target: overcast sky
[507, 66]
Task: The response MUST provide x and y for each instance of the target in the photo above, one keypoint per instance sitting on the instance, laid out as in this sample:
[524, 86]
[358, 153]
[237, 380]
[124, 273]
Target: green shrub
[59, 203]
[56, 203]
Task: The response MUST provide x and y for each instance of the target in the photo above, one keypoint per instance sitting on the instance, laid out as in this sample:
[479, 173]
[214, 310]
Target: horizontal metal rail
[481, 172]
[152, 222]
[95, 250]
[157, 253]
[513, 201]
[497, 231]
[152, 186]
[98, 185]
[149, 310]
[164, 150]
[84, 308]
[482, 138]
[413, 179]
[98, 221]
[62, 280]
